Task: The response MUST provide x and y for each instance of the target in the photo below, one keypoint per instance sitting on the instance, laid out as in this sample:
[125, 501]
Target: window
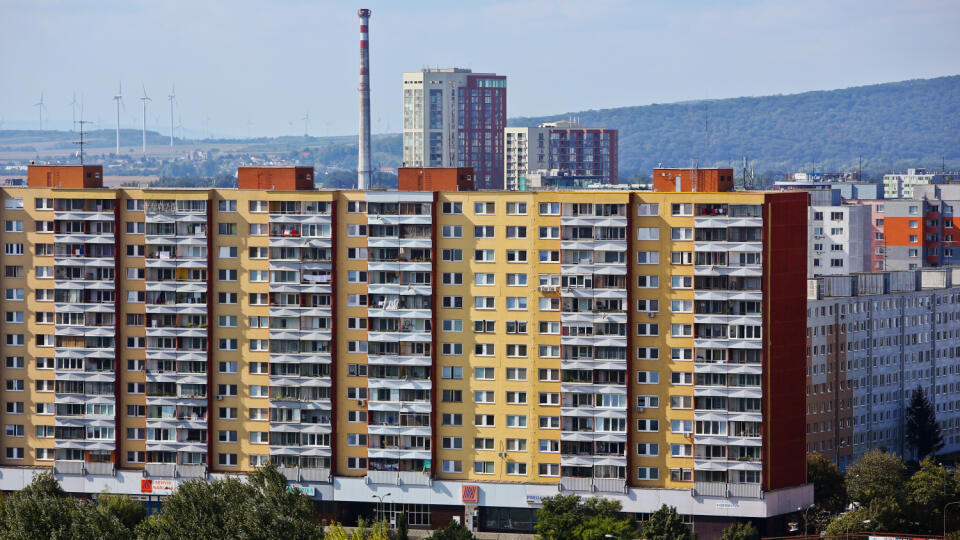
[451, 419]
[227, 206]
[648, 257]
[452, 231]
[452, 255]
[452, 325]
[549, 256]
[484, 231]
[452, 443]
[484, 208]
[681, 426]
[516, 398]
[483, 467]
[681, 282]
[516, 232]
[516, 421]
[483, 373]
[648, 425]
[549, 209]
[484, 279]
[516, 469]
[517, 303]
[648, 282]
[451, 349]
[648, 329]
[648, 402]
[648, 233]
[483, 396]
[645, 305]
[648, 473]
[648, 209]
[549, 399]
[681, 402]
[227, 252]
[516, 256]
[452, 278]
[227, 460]
[681, 330]
[516, 280]
[648, 377]
[516, 208]
[483, 420]
[452, 208]
[648, 449]
[452, 396]
[549, 233]
[13, 226]
[483, 349]
[484, 302]
[483, 255]
[681, 209]
[452, 372]
[452, 302]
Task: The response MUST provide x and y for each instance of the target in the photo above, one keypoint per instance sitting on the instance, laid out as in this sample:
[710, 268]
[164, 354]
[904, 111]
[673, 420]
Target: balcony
[399, 478]
[173, 470]
[589, 484]
[719, 489]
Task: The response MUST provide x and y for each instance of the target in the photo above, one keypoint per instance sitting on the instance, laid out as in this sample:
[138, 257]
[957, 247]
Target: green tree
[563, 517]
[364, 530]
[883, 514]
[666, 524]
[829, 491]
[928, 491]
[740, 531]
[43, 510]
[875, 475]
[127, 510]
[453, 531]
[402, 533]
[923, 433]
[261, 507]
[603, 518]
[558, 517]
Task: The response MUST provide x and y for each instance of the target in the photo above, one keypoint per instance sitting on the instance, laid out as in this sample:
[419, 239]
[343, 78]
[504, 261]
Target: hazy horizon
[241, 70]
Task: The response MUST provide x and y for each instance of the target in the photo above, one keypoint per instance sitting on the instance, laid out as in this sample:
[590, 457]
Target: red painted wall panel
[784, 339]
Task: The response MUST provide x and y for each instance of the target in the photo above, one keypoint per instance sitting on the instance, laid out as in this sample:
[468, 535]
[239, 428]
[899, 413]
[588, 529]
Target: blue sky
[244, 66]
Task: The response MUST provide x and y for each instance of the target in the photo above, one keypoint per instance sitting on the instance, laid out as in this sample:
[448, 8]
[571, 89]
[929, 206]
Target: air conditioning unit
[651, 314]
[361, 402]
[502, 454]
[640, 409]
[219, 397]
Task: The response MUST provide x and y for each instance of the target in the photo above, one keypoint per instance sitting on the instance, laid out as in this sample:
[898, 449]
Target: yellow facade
[223, 256]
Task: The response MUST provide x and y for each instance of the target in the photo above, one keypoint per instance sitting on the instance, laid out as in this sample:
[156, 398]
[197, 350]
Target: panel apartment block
[873, 339]
[476, 350]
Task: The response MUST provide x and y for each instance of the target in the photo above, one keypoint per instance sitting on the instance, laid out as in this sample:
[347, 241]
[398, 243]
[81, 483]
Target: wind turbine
[73, 105]
[40, 106]
[143, 126]
[172, 97]
[119, 99]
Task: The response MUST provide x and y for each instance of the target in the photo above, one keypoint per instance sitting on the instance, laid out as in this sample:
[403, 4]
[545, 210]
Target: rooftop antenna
[80, 143]
[40, 106]
[172, 98]
[73, 106]
[119, 99]
[143, 125]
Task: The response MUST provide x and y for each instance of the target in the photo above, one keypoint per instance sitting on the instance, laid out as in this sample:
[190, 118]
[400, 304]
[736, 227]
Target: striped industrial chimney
[363, 167]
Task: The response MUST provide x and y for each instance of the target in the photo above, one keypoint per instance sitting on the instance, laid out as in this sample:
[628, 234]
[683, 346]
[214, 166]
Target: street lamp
[380, 508]
[846, 533]
[945, 516]
[805, 510]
